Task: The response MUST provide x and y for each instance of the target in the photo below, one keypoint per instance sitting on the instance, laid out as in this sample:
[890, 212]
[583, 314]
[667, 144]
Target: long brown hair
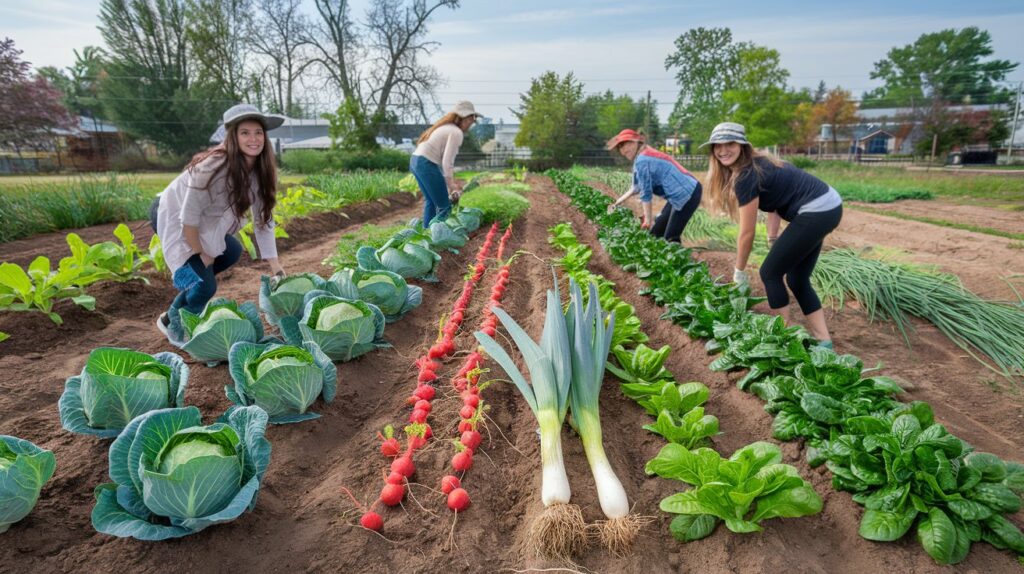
[449, 118]
[720, 196]
[233, 168]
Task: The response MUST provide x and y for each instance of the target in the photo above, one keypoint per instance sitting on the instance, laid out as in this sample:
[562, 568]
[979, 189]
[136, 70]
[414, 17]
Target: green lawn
[990, 190]
[151, 183]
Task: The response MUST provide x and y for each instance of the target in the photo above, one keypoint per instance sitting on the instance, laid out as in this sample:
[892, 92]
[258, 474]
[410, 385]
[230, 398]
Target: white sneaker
[163, 323]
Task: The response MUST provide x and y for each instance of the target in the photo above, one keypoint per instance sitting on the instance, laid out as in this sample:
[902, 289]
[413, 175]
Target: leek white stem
[554, 482]
[610, 493]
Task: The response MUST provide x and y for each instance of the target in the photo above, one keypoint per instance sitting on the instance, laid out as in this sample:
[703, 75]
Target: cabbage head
[342, 328]
[387, 290]
[283, 380]
[468, 218]
[223, 323]
[174, 477]
[447, 234]
[407, 255]
[24, 469]
[285, 297]
[118, 385]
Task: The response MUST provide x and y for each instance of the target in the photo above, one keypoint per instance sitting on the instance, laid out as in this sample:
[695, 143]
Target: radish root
[559, 532]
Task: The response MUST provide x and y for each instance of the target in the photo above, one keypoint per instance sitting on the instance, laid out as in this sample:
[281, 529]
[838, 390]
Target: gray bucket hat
[465, 108]
[726, 132]
[241, 112]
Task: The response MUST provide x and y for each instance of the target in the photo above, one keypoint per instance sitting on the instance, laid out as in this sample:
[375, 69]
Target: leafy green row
[748, 487]
[849, 420]
[40, 287]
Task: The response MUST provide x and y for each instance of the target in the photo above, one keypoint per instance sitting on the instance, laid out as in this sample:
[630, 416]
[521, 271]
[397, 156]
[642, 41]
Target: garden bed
[303, 519]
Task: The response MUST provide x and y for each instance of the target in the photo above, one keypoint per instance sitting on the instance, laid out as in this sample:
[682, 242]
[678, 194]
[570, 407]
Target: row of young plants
[990, 331]
[750, 486]
[905, 468]
[40, 286]
[171, 475]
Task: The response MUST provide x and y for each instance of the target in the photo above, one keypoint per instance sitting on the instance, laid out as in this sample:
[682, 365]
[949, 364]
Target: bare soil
[303, 521]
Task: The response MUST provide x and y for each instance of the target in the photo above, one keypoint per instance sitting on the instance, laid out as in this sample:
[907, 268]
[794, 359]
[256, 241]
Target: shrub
[802, 162]
[322, 161]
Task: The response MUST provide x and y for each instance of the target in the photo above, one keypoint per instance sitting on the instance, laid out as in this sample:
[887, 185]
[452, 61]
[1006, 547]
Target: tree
[820, 92]
[30, 108]
[216, 33]
[277, 33]
[610, 114]
[376, 66]
[758, 97]
[803, 126]
[551, 115]
[838, 111]
[949, 66]
[79, 83]
[707, 63]
[148, 90]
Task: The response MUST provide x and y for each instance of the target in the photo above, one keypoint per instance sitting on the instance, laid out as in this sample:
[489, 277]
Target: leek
[560, 531]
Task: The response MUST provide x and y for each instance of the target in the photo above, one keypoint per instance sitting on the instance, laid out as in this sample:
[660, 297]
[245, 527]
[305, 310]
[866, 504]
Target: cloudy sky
[490, 50]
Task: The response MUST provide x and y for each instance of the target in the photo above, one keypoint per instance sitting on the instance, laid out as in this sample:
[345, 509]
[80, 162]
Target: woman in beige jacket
[198, 213]
[432, 164]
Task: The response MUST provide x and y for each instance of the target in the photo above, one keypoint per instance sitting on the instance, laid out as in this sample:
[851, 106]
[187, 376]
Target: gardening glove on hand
[740, 277]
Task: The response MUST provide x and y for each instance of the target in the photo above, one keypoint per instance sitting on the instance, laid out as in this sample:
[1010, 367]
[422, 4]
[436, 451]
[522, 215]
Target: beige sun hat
[465, 108]
[241, 112]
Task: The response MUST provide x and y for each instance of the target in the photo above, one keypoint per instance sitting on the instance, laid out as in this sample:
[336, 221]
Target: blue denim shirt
[656, 173]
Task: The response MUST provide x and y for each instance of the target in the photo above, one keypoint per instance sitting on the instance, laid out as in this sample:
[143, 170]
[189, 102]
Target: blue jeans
[435, 191]
[196, 298]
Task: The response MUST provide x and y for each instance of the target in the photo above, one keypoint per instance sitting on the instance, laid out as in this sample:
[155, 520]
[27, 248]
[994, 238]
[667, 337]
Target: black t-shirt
[783, 189]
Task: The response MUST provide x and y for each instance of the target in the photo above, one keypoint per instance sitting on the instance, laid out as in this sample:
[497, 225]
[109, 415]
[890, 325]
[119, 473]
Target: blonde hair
[720, 184]
[449, 118]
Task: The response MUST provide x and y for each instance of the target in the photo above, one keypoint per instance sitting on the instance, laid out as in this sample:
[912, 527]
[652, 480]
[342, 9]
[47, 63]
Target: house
[889, 130]
[89, 146]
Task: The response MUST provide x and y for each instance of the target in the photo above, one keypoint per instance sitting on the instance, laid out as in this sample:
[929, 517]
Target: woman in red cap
[656, 173]
[432, 164]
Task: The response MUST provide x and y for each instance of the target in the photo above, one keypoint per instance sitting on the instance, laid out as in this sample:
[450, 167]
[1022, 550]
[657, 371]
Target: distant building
[89, 146]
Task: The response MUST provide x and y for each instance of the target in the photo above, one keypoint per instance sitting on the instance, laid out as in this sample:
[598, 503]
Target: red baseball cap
[626, 135]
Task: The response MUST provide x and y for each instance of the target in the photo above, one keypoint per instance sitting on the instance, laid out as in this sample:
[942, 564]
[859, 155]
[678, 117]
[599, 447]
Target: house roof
[874, 134]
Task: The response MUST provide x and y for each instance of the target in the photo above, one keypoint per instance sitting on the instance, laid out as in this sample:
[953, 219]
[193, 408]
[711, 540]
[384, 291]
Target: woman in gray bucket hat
[741, 181]
[433, 162]
[197, 215]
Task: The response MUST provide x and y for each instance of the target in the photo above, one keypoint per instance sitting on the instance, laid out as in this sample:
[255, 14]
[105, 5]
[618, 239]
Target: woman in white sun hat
[432, 164]
[741, 181]
[198, 213]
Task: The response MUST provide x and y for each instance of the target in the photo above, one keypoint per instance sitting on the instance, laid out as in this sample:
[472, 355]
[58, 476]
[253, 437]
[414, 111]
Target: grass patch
[497, 201]
[992, 189]
[372, 235]
[877, 193]
[355, 187]
[941, 222]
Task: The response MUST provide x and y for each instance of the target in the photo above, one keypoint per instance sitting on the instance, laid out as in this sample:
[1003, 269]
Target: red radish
[418, 416]
[474, 390]
[456, 317]
[489, 331]
[471, 439]
[425, 392]
[458, 500]
[422, 406]
[403, 465]
[463, 461]
[425, 364]
[435, 352]
[372, 521]
[426, 377]
[427, 433]
[390, 447]
[416, 441]
[460, 383]
[471, 400]
[467, 412]
[465, 425]
[450, 483]
[392, 494]
[395, 478]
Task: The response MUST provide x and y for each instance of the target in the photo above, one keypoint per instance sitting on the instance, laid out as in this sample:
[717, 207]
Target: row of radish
[418, 432]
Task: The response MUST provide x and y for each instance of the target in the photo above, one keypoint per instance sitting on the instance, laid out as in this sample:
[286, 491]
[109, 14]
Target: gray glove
[740, 277]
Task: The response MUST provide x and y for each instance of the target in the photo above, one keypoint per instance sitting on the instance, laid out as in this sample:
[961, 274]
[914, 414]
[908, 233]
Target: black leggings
[794, 255]
[671, 222]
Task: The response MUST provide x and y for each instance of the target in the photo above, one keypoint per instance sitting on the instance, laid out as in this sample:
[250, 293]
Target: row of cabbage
[903, 467]
[173, 476]
[748, 487]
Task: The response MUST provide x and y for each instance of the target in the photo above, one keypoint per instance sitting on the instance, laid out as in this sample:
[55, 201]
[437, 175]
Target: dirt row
[304, 522]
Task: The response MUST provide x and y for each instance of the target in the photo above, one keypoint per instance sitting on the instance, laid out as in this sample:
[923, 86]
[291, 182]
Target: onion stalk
[559, 532]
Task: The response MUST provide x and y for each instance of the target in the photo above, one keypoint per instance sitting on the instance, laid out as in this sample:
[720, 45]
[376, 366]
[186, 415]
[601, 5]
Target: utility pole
[1013, 130]
[647, 116]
